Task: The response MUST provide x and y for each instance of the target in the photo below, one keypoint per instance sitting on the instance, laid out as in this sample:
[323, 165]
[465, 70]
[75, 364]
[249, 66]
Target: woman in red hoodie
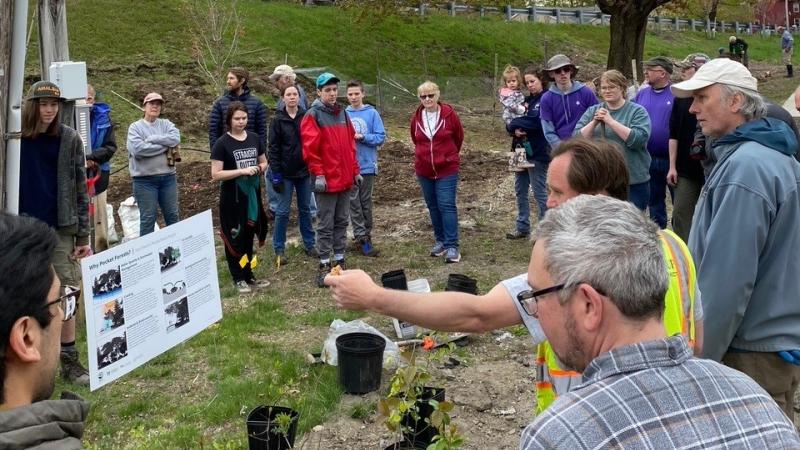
[437, 136]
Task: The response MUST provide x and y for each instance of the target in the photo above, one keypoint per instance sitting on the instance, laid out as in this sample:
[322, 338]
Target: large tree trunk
[712, 13]
[628, 29]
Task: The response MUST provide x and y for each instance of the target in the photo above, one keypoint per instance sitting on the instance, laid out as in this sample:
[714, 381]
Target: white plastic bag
[391, 355]
[129, 216]
[113, 237]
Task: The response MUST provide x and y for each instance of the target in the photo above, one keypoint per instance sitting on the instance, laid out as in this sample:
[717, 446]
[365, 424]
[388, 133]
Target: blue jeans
[272, 196]
[534, 178]
[303, 189]
[639, 194]
[440, 196]
[152, 192]
[658, 191]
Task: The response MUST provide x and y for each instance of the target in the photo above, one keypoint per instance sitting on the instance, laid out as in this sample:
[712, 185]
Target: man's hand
[672, 177]
[82, 251]
[320, 185]
[92, 165]
[353, 289]
[357, 180]
[359, 137]
[790, 356]
[519, 132]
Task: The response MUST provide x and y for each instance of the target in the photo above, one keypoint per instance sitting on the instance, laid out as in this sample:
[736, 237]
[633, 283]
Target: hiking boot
[243, 287]
[72, 370]
[437, 249]
[258, 284]
[364, 245]
[452, 255]
[340, 263]
[324, 270]
[516, 234]
[280, 260]
[312, 252]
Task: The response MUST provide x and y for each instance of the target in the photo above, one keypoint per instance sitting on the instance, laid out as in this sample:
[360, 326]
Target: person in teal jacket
[744, 237]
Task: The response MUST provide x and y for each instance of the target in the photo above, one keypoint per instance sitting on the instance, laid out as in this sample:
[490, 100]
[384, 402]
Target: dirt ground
[493, 387]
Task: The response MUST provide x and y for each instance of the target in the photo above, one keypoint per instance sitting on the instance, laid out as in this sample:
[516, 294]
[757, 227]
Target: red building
[773, 13]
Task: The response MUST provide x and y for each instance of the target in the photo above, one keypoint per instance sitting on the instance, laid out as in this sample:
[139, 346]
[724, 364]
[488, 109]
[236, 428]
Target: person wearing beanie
[52, 188]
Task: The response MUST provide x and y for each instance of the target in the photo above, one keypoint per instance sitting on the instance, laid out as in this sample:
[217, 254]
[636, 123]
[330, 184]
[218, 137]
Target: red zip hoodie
[437, 158]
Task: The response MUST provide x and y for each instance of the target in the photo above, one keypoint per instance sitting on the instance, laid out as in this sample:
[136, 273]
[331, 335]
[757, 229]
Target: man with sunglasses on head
[33, 308]
[579, 166]
[564, 102]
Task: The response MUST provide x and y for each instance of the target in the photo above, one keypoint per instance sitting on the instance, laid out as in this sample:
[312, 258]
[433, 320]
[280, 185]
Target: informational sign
[148, 295]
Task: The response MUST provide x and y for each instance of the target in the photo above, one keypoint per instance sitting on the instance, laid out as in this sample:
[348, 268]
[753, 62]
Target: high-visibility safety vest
[678, 317]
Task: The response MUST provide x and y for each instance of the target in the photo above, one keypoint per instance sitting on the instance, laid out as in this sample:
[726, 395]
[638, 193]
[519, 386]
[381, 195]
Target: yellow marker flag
[254, 262]
[243, 262]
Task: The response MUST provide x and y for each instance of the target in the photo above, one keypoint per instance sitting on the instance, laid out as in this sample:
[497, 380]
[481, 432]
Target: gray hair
[753, 105]
[610, 245]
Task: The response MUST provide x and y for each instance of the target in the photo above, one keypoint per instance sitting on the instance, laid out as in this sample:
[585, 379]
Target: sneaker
[243, 287]
[437, 249]
[72, 370]
[340, 263]
[312, 252]
[516, 234]
[324, 270]
[258, 284]
[525, 164]
[280, 260]
[365, 247]
[452, 255]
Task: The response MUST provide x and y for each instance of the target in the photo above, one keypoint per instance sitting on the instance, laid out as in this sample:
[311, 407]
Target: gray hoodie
[45, 425]
[745, 241]
[147, 147]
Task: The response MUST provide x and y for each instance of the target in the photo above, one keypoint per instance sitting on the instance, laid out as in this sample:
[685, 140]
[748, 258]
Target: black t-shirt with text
[236, 154]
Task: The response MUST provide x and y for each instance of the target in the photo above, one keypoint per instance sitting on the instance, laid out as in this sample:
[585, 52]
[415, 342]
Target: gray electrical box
[70, 76]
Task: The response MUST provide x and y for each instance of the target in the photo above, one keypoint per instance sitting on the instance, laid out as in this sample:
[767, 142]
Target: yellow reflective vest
[678, 317]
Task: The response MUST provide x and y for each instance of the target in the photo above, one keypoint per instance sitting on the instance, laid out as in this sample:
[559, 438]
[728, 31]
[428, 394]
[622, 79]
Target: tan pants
[787, 56]
[100, 223]
[779, 378]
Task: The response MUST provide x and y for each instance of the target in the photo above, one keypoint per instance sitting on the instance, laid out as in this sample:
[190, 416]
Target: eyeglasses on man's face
[68, 302]
[560, 70]
[426, 96]
[529, 300]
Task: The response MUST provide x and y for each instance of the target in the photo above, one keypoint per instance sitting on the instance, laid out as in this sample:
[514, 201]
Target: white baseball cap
[720, 70]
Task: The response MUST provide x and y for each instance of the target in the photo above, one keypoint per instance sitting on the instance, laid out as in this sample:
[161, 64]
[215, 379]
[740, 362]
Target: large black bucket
[262, 428]
[395, 279]
[360, 361]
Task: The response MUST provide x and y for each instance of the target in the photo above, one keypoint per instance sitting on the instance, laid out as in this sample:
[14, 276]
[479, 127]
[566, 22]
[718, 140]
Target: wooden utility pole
[6, 13]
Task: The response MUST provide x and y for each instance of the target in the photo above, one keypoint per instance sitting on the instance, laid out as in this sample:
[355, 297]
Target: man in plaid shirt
[598, 280]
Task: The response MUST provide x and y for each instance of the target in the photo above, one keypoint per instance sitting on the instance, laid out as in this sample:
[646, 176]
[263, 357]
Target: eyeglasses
[69, 302]
[560, 70]
[425, 96]
[529, 300]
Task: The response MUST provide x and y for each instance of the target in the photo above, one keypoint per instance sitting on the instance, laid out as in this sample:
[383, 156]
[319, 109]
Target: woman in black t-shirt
[237, 160]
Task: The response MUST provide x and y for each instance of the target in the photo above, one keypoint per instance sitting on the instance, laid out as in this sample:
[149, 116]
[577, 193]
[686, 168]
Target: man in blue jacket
[744, 238]
[104, 145]
[369, 136]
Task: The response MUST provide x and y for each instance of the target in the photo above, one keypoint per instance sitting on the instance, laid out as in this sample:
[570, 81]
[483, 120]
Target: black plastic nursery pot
[401, 445]
[461, 283]
[262, 428]
[395, 279]
[420, 434]
[360, 358]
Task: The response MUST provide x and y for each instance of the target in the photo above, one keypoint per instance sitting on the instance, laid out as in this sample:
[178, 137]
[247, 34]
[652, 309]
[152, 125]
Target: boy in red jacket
[329, 150]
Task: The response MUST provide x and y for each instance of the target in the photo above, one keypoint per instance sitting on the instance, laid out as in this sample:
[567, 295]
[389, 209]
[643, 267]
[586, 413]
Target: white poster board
[148, 295]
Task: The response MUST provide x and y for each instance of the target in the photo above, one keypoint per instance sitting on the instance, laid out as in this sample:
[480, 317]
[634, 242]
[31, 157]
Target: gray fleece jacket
[147, 147]
[45, 425]
[72, 197]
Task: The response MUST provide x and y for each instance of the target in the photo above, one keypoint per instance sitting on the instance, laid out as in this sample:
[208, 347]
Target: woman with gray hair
[283, 76]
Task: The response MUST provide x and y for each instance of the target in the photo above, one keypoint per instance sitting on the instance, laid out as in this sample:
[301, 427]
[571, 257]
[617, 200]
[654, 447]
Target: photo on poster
[173, 290]
[109, 316]
[107, 284]
[170, 257]
[177, 314]
[112, 350]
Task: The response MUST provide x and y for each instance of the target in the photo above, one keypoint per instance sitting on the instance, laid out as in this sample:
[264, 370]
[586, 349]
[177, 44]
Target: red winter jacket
[438, 158]
[329, 145]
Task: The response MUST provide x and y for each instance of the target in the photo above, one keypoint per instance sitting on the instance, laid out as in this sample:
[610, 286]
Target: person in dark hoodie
[437, 135]
[33, 312]
[289, 173]
[104, 145]
[329, 150]
[564, 102]
[537, 148]
[744, 235]
[237, 160]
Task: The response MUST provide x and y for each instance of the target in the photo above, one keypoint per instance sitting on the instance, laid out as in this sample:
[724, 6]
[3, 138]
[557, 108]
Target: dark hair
[240, 73]
[283, 90]
[30, 120]
[355, 83]
[26, 262]
[535, 71]
[596, 166]
[232, 108]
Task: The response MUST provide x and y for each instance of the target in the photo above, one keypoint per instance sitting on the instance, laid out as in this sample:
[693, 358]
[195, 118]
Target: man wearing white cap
[284, 76]
[744, 237]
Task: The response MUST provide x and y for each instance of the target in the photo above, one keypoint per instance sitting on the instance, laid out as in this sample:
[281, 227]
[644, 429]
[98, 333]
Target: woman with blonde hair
[437, 136]
[627, 125]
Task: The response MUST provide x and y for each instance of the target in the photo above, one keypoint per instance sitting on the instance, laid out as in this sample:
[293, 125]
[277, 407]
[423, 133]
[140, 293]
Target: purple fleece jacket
[560, 112]
[658, 104]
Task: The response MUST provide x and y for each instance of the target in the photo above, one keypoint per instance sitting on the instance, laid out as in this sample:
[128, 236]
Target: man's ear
[736, 102]
[24, 340]
[591, 307]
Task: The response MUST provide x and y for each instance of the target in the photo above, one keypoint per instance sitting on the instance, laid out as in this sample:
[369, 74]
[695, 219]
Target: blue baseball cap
[326, 79]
